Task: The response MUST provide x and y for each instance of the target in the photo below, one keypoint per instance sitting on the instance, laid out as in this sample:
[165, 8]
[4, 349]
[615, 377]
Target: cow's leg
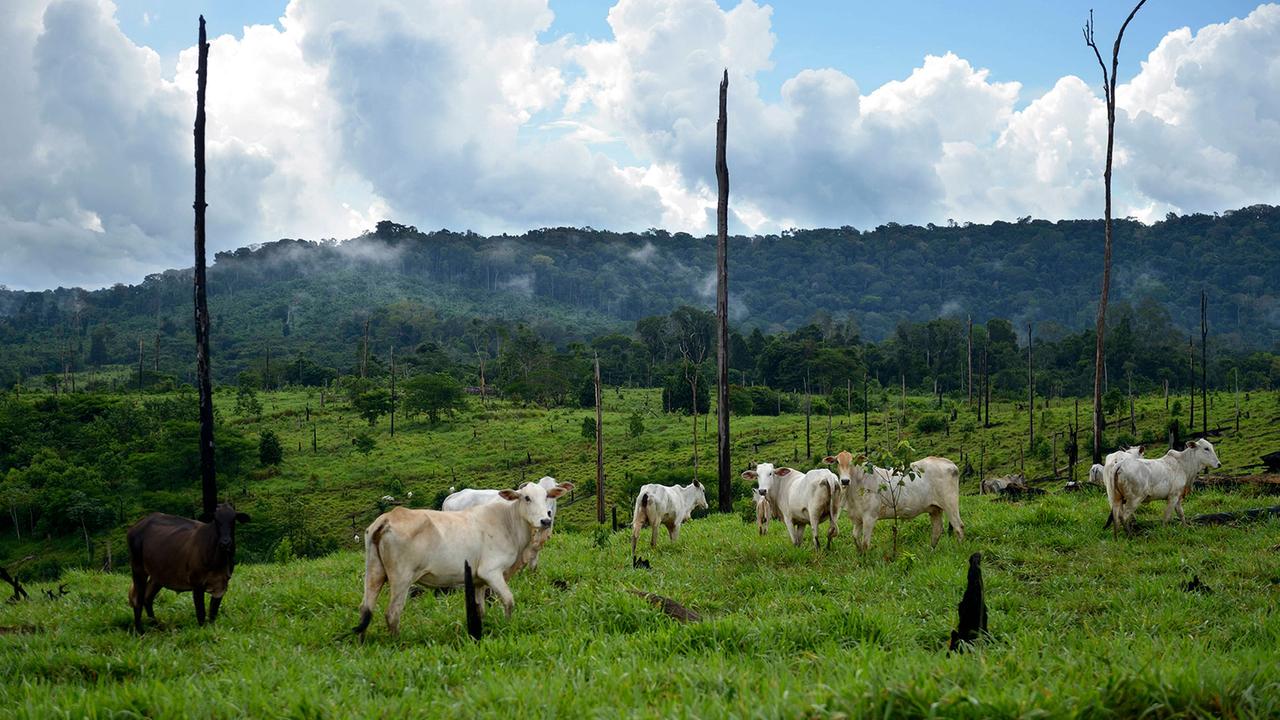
[197, 595]
[674, 531]
[1178, 508]
[395, 603]
[935, 517]
[499, 585]
[868, 527]
[215, 600]
[149, 599]
[1168, 509]
[953, 517]
[653, 536]
[792, 531]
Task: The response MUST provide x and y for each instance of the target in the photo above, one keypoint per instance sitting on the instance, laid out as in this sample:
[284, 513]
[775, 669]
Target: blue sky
[1034, 42]
[508, 115]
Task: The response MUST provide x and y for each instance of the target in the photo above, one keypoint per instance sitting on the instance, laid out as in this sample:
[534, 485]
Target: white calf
[669, 505]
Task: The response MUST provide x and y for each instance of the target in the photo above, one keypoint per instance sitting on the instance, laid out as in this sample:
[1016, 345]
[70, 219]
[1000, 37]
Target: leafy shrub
[270, 452]
[931, 423]
[589, 428]
[635, 425]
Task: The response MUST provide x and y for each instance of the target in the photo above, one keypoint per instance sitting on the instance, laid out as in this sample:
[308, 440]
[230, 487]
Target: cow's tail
[1115, 493]
[375, 573]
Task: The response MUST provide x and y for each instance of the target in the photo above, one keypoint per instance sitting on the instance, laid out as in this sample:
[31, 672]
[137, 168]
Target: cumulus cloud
[462, 115]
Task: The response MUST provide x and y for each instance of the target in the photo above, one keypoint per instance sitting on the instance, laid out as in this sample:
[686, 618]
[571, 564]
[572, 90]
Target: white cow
[763, 513]
[404, 546]
[1137, 480]
[799, 499]
[1102, 474]
[669, 505]
[473, 497]
[932, 486]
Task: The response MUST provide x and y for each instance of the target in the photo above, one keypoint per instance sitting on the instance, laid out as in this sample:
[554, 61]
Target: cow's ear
[555, 492]
[1191, 445]
[242, 517]
[830, 459]
[1142, 449]
[509, 495]
[749, 475]
[567, 486]
[860, 459]
[782, 472]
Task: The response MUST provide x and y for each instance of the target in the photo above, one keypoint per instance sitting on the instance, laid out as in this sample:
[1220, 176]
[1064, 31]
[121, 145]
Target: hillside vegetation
[301, 298]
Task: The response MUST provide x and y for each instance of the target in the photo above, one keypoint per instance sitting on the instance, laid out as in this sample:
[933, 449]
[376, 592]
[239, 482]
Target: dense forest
[462, 293]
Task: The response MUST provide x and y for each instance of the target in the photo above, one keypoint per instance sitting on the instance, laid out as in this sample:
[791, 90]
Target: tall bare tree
[1109, 94]
[599, 448]
[1204, 363]
[722, 303]
[208, 478]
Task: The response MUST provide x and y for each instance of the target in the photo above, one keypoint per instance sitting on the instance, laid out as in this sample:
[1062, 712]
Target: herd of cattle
[499, 532]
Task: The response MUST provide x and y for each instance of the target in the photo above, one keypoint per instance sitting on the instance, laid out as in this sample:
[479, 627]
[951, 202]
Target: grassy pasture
[1083, 626]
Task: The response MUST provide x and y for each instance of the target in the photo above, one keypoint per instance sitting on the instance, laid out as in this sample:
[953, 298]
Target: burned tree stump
[1226, 518]
[19, 593]
[972, 609]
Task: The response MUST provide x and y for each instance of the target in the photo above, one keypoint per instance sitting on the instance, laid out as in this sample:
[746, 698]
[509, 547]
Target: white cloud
[447, 114]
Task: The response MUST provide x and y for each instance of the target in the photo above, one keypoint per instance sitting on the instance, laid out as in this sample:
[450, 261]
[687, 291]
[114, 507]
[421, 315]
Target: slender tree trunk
[808, 412]
[140, 358]
[600, 447]
[208, 478]
[1204, 362]
[725, 479]
[969, 384]
[1031, 394]
[865, 444]
[1109, 90]
[1191, 363]
[484, 401]
[393, 391]
[156, 365]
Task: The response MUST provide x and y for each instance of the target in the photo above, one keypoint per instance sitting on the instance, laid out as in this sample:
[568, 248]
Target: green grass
[1083, 625]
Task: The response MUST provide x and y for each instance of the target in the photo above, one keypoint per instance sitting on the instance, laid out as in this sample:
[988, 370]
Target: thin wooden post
[1191, 363]
[865, 443]
[208, 478]
[393, 391]
[599, 448]
[808, 411]
[724, 466]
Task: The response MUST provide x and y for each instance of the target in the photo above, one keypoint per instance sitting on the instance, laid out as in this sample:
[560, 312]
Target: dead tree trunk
[1204, 362]
[969, 385]
[208, 479]
[1109, 93]
[1191, 364]
[393, 391]
[140, 359]
[600, 448]
[725, 479]
[865, 443]
[1031, 395]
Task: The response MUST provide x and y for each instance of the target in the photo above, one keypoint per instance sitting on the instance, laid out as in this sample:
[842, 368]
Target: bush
[740, 402]
[270, 452]
[931, 423]
[677, 395]
[364, 443]
[635, 425]
[589, 428]
[283, 552]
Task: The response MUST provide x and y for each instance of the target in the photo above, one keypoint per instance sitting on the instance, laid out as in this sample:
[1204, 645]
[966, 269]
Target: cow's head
[1203, 454]
[699, 495]
[224, 519]
[763, 476]
[531, 503]
[847, 465]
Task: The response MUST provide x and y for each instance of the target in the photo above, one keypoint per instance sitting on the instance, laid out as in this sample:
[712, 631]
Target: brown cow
[167, 551]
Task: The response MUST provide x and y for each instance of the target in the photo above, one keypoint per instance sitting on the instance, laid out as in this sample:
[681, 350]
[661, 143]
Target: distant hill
[311, 299]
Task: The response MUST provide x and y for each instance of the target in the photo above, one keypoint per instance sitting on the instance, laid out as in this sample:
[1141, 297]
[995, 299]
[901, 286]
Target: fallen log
[1266, 482]
[1226, 518]
[668, 606]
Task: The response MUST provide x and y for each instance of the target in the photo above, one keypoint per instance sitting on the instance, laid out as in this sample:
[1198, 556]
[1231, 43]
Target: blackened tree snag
[973, 609]
[1109, 94]
[725, 486]
[969, 384]
[208, 479]
[1031, 395]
